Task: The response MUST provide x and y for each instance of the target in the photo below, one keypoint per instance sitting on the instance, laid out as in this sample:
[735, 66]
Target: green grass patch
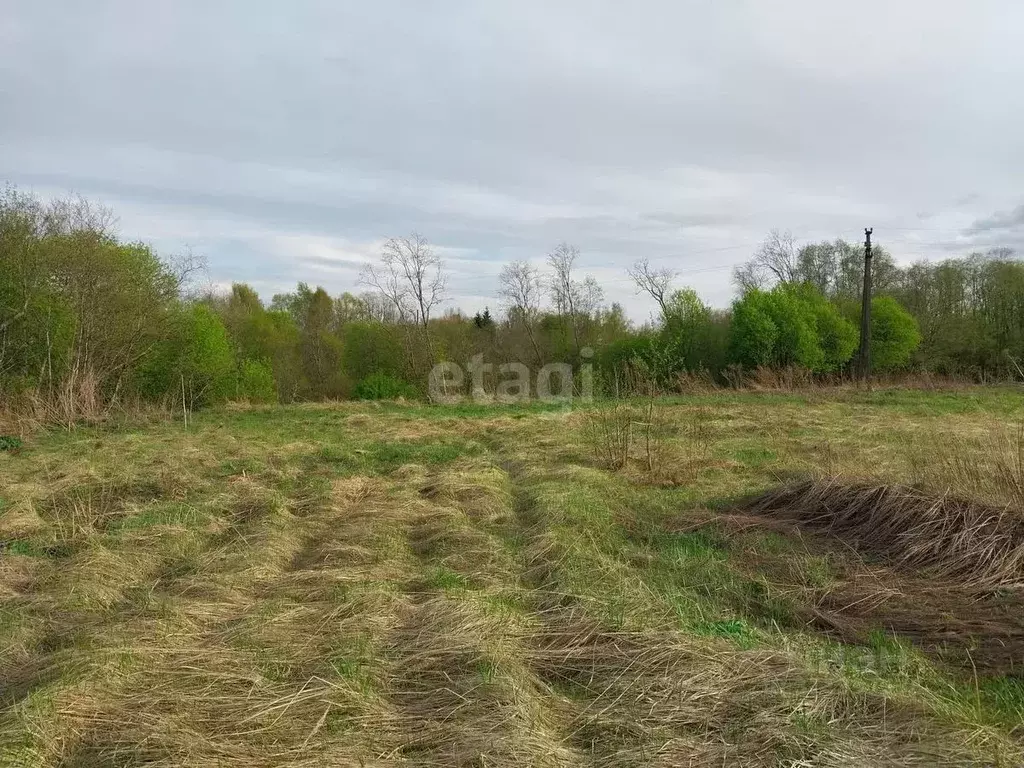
[1003, 697]
[487, 671]
[704, 545]
[352, 660]
[471, 410]
[31, 548]
[447, 580]
[755, 457]
[736, 630]
[920, 403]
[10, 443]
[163, 514]
[382, 458]
[504, 603]
[23, 547]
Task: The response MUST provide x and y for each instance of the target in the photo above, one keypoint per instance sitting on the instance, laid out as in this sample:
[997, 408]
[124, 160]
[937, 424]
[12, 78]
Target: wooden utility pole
[865, 312]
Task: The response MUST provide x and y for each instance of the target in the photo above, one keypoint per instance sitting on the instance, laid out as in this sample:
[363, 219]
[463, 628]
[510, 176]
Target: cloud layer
[286, 141]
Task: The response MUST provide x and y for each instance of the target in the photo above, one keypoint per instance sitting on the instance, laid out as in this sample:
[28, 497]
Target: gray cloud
[286, 141]
[1001, 220]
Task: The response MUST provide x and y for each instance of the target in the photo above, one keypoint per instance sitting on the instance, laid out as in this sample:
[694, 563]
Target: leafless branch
[572, 297]
[519, 288]
[775, 261]
[657, 283]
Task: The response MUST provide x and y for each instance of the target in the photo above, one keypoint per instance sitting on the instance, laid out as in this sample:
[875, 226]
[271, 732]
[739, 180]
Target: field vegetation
[822, 577]
[91, 323]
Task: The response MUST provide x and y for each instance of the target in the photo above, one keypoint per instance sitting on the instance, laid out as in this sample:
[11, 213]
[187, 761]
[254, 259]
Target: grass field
[365, 584]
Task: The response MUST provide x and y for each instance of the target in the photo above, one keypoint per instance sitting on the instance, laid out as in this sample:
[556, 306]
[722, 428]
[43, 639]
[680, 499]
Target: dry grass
[979, 546]
[985, 466]
[369, 586]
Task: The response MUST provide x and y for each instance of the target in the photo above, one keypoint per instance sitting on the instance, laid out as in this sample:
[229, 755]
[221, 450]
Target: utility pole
[865, 313]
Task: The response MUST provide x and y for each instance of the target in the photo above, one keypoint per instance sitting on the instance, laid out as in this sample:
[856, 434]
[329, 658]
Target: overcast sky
[284, 141]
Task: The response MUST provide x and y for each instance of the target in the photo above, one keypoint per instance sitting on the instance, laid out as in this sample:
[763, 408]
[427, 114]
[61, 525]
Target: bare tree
[775, 261]
[379, 307]
[519, 288]
[590, 295]
[186, 268]
[778, 255]
[657, 283]
[748, 277]
[1000, 252]
[818, 264]
[572, 297]
[67, 215]
[410, 276]
[386, 281]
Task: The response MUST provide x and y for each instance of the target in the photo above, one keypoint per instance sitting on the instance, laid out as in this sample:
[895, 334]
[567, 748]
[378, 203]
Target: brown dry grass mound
[979, 546]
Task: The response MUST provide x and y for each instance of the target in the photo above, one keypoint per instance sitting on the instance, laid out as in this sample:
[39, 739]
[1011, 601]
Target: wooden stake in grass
[184, 408]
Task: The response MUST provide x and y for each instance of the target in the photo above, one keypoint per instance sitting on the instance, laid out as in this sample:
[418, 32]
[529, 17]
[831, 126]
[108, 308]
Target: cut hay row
[646, 693]
[511, 606]
[660, 697]
[979, 546]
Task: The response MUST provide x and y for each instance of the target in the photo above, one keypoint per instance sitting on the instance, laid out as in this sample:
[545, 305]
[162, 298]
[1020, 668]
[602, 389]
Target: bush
[797, 342]
[837, 337]
[614, 359]
[370, 348]
[894, 335]
[256, 382]
[383, 386]
[194, 361]
[692, 338]
[791, 326]
[754, 332]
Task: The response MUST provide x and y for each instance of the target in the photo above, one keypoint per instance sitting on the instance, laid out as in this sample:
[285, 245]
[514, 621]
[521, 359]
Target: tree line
[90, 320]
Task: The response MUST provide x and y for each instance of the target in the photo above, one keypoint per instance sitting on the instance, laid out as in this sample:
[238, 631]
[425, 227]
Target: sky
[286, 141]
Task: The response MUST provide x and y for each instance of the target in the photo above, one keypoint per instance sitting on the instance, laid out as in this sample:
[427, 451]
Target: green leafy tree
[684, 329]
[754, 332]
[894, 335]
[797, 342]
[791, 325]
[349, 309]
[76, 304]
[194, 361]
[371, 347]
[270, 337]
[836, 336]
[320, 348]
[256, 381]
[36, 321]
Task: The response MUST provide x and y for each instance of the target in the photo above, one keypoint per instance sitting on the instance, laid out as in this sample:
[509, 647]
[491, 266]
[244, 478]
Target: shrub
[837, 337]
[383, 386]
[256, 381]
[894, 335]
[797, 342]
[791, 325]
[613, 360]
[194, 361]
[754, 332]
[370, 348]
